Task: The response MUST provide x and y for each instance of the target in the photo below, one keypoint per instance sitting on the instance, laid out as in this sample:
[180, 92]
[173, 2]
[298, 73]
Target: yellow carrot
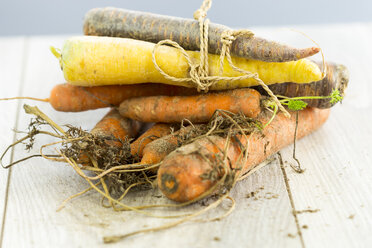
[94, 61]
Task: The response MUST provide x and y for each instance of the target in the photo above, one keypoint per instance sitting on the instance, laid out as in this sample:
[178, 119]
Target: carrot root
[117, 126]
[157, 150]
[157, 131]
[193, 169]
[197, 109]
[70, 98]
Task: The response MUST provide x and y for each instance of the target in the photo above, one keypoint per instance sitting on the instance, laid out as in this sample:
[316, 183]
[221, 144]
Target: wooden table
[330, 205]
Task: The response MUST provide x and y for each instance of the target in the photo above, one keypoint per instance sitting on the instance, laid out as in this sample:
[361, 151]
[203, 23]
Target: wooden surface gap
[22, 79]
[294, 211]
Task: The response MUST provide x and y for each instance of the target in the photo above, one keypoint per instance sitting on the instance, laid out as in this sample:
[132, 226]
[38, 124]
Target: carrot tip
[307, 52]
[315, 49]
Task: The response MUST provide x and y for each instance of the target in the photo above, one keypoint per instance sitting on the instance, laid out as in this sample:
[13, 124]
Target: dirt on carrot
[70, 98]
[215, 160]
[196, 109]
[115, 126]
[157, 150]
[100, 150]
[155, 132]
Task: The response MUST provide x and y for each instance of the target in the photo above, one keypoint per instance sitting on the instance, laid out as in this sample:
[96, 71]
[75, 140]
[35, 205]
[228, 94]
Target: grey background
[35, 17]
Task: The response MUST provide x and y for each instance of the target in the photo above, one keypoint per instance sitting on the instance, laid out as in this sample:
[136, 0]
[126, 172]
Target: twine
[199, 72]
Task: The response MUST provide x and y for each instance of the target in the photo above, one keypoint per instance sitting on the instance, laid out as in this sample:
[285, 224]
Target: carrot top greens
[297, 103]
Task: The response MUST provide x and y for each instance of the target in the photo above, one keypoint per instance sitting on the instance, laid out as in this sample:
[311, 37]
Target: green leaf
[335, 96]
[296, 105]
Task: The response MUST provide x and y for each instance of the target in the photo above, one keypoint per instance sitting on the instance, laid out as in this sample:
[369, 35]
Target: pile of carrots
[112, 66]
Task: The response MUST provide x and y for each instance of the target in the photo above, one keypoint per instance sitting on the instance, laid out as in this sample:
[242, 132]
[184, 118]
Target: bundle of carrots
[198, 140]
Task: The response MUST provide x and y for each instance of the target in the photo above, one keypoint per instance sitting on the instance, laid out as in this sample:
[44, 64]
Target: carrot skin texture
[157, 131]
[123, 23]
[197, 109]
[157, 150]
[179, 176]
[71, 98]
[337, 77]
[113, 124]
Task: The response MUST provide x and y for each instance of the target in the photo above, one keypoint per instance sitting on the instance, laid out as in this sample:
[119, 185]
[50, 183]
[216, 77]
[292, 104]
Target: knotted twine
[199, 72]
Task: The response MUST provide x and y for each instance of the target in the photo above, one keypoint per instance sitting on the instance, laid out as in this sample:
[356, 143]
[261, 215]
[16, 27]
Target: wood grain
[12, 52]
[338, 176]
[36, 183]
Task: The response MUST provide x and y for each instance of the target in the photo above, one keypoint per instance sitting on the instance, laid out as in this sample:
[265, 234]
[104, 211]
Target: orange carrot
[69, 98]
[116, 22]
[182, 174]
[157, 150]
[115, 130]
[157, 131]
[116, 126]
[199, 108]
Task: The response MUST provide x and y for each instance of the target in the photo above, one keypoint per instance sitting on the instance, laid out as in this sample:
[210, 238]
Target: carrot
[154, 28]
[96, 61]
[157, 150]
[183, 174]
[199, 108]
[337, 78]
[116, 126]
[70, 98]
[157, 131]
[114, 130]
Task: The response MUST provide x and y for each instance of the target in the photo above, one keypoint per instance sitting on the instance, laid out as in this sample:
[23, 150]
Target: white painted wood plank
[338, 177]
[12, 52]
[38, 187]
[252, 222]
[36, 178]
